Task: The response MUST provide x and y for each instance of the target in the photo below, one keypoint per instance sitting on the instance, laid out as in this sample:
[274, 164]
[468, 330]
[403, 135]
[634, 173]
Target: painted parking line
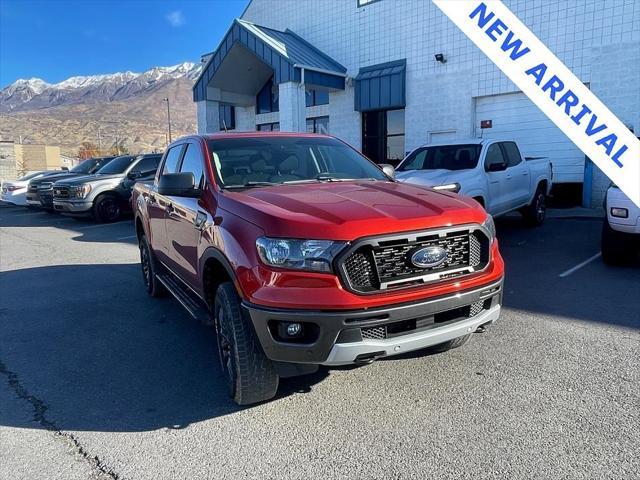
[126, 238]
[87, 227]
[580, 265]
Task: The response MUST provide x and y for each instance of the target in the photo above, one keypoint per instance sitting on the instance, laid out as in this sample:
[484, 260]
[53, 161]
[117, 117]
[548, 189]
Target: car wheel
[250, 376]
[147, 262]
[614, 246]
[535, 213]
[106, 209]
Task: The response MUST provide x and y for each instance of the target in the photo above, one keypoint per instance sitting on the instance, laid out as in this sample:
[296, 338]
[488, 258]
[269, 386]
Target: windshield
[117, 165]
[445, 157]
[85, 166]
[245, 162]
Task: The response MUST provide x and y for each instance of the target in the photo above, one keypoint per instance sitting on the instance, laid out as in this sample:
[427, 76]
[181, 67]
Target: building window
[267, 98]
[227, 116]
[268, 127]
[362, 3]
[317, 97]
[383, 135]
[318, 125]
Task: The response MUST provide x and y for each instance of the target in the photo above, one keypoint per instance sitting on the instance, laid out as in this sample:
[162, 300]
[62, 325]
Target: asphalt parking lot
[97, 380]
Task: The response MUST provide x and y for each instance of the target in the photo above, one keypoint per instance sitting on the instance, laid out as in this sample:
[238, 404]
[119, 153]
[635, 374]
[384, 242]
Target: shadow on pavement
[105, 356]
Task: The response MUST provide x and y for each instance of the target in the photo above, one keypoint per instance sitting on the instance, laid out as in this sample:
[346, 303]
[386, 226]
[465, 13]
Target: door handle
[525, 173]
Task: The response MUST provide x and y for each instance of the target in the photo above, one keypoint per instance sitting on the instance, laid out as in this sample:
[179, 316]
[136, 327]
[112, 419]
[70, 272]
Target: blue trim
[297, 52]
[381, 87]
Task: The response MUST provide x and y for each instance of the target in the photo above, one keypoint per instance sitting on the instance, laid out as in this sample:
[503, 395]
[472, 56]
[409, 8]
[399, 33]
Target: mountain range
[123, 107]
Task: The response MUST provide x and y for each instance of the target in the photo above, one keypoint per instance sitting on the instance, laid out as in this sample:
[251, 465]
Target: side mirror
[388, 170]
[134, 175]
[178, 185]
[496, 167]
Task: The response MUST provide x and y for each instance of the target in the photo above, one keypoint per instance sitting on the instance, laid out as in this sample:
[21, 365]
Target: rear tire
[535, 213]
[450, 344]
[106, 209]
[251, 376]
[615, 247]
[148, 264]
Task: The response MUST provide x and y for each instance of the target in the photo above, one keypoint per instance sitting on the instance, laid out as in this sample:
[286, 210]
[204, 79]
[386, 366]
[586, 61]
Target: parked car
[106, 194]
[303, 252]
[40, 190]
[493, 172]
[15, 191]
[621, 228]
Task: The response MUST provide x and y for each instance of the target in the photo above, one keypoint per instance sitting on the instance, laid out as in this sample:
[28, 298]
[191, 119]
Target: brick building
[390, 75]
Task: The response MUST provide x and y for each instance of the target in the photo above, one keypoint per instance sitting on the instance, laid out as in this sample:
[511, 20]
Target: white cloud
[175, 18]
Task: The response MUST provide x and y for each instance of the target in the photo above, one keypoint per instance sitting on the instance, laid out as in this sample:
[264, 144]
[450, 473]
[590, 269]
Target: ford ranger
[106, 194]
[493, 172]
[302, 252]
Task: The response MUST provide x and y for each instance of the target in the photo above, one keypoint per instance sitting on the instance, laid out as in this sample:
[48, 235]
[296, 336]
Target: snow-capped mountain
[35, 94]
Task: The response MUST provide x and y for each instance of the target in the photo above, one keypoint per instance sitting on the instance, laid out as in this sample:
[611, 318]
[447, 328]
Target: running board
[186, 297]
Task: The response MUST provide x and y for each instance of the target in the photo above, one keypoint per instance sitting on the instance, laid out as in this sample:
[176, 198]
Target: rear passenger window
[171, 163]
[512, 153]
[192, 162]
[494, 155]
[147, 165]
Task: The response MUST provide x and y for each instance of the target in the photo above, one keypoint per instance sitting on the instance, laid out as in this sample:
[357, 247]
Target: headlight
[449, 187]
[315, 255]
[490, 226]
[81, 191]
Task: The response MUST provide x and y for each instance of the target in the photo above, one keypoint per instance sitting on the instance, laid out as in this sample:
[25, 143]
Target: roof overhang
[381, 87]
[250, 54]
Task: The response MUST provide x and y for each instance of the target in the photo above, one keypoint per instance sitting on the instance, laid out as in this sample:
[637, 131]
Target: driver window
[192, 162]
[494, 155]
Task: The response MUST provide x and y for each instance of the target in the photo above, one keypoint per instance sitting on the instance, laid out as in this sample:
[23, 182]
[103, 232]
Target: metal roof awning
[381, 87]
[286, 53]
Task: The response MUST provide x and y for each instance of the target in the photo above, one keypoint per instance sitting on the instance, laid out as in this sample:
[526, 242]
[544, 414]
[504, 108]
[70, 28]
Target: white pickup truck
[494, 172]
[621, 228]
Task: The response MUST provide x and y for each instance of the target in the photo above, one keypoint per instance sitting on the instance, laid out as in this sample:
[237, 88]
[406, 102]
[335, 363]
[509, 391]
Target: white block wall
[440, 96]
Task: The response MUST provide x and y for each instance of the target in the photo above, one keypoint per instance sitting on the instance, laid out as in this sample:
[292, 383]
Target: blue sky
[57, 39]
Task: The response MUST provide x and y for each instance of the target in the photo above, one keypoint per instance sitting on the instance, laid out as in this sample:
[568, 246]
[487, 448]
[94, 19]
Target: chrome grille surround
[375, 264]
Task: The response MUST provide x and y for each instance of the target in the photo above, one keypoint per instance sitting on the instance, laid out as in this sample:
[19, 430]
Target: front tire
[614, 246]
[251, 376]
[535, 213]
[106, 209]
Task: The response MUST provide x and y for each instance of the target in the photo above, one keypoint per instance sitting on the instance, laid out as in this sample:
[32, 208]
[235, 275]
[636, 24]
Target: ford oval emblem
[429, 257]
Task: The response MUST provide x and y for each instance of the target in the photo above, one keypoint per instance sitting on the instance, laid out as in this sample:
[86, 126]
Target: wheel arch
[216, 269]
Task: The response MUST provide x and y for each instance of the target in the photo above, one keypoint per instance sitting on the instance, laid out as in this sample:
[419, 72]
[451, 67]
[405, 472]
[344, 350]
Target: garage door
[515, 117]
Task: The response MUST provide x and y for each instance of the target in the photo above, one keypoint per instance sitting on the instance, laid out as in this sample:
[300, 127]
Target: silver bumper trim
[346, 353]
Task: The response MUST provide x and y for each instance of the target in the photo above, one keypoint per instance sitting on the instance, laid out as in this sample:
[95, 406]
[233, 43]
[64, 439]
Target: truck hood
[430, 178]
[54, 178]
[348, 210]
[89, 179]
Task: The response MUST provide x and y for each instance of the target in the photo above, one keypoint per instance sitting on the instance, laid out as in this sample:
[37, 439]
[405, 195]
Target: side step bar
[186, 297]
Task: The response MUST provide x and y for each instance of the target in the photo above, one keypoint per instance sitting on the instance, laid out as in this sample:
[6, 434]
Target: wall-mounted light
[440, 58]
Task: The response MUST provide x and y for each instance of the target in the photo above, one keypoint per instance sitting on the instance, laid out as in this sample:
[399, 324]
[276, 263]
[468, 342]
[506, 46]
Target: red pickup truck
[302, 252]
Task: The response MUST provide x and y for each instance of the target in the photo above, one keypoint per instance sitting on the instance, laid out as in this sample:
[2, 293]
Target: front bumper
[33, 200]
[338, 335]
[65, 206]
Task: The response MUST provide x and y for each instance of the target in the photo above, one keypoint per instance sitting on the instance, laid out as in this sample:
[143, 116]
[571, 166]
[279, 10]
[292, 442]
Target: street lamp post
[168, 117]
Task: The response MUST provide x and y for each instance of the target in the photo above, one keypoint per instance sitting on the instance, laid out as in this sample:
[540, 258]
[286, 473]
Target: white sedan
[14, 191]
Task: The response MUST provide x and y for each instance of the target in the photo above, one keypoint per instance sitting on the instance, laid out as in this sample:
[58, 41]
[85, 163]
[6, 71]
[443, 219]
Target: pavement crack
[39, 415]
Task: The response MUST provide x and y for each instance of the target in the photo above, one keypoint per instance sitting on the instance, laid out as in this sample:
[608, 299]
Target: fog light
[619, 212]
[294, 329]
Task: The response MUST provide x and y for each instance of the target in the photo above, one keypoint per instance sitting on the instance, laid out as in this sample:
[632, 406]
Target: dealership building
[388, 76]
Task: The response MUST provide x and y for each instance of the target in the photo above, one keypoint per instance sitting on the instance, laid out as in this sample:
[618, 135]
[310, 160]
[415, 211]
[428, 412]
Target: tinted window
[171, 163]
[445, 157]
[116, 166]
[192, 162]
[512, 153]
[148, 164]
[494, 155]
[85, 166]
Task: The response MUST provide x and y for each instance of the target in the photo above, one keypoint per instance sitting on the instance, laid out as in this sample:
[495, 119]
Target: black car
[40, 190]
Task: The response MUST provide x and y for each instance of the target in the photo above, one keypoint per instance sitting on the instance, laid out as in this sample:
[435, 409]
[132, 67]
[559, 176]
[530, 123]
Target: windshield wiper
[251, 184]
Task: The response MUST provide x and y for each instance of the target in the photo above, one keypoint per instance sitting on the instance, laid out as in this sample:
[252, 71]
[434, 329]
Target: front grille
[404, 327]
[61, 192]
[386, 263]
[32, 188]
[45, 186]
